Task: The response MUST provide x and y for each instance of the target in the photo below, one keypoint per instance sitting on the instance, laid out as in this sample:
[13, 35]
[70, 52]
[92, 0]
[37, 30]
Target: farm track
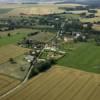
[7, 83]
[59, 84]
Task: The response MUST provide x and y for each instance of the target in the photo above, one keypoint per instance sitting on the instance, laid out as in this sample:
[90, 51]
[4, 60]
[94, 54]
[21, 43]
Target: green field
[11, 40]
[5, 10]
[16, 35]
[84, 56]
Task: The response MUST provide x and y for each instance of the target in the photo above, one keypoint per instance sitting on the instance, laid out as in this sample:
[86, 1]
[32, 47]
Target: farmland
[60, 84]
[83, 56]
[38, 9]
[2, 11]
[10, 51]
[7, 83]
[16, 35]
[16, 31]
[96, 27]
[59, 43]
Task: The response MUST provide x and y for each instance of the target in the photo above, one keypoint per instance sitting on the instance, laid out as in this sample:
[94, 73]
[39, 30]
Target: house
[29, 58]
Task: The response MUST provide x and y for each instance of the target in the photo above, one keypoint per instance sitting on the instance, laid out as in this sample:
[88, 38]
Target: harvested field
[10, 51]
[96, 27]
[59, 83]
[7, 83]
[35, 9]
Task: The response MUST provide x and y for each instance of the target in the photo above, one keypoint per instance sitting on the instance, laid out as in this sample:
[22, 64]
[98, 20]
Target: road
[28, 74]
[25, 80]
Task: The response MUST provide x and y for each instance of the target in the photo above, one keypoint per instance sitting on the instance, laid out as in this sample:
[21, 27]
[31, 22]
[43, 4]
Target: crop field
[7, 83]
[84, 56]
[59, 83]
[98, 12]
[95, 19]
[39, 9]
[96, 27]
[10, 51]
[92, 20]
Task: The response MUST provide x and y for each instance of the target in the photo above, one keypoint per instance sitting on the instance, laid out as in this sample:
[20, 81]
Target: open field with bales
[7, 83]
[59, 84]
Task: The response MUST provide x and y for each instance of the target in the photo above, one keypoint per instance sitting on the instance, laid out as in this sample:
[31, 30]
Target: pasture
[59, 83]
[7, 83]
[16, 35]
[16, 31]
[84, 56]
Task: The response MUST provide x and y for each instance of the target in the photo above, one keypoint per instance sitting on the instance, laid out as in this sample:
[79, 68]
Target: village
[46, 40]
[49, 51]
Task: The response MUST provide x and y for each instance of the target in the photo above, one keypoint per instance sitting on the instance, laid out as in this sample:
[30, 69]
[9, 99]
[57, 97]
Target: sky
[42, 0]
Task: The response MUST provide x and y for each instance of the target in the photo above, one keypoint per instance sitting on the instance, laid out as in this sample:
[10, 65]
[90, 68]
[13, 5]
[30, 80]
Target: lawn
[84, 56]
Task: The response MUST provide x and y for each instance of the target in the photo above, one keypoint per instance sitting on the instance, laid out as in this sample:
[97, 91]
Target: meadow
[83, 56]
[16, 36]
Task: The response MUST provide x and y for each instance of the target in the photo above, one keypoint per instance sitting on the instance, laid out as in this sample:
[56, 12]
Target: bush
[34, 72]
[8, 34]
[11, 60]
[41, 67]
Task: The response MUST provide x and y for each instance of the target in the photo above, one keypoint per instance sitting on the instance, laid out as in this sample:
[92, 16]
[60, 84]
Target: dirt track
[59, 84]
[7, 83]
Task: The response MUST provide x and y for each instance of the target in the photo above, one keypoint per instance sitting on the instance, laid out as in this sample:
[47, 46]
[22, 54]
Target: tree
[8, 34]
[97, 40]
[11, 60]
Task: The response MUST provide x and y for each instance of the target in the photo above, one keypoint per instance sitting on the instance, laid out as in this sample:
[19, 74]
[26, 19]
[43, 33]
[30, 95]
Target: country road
[28, 74]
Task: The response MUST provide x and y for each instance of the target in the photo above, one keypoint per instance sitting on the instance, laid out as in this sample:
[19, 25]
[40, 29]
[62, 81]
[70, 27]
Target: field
[59, 83]
[7, 83]
[84, 56]
[43, 36]
[17, 31]
[5, 10]
[39, 9]
[16, 35]
[10, 51]
[92, 20]
[96, 27]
